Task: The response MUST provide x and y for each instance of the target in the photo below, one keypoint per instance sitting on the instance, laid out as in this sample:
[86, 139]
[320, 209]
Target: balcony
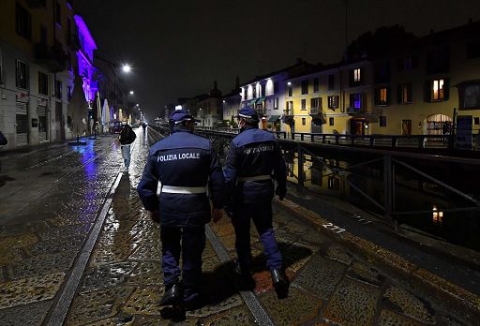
[318, 117]
[288, 116]
[315, 111]
[52, 56]
[355, 111]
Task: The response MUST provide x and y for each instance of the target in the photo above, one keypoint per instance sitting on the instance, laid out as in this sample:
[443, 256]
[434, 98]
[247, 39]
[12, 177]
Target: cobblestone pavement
[85, 252]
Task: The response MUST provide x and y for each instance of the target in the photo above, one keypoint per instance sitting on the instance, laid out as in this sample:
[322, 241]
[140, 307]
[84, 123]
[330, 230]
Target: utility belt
[255, 178]
[180, 189]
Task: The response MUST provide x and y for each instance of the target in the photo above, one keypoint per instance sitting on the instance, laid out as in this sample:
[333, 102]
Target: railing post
[301, 181]
[389, 185]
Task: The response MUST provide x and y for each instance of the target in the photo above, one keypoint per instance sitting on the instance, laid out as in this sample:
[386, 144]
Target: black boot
[280, 283]
[246, 282]
[173, 295]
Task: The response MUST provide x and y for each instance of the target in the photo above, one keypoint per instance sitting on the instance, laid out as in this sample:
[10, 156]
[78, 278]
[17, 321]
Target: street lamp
[126, 68]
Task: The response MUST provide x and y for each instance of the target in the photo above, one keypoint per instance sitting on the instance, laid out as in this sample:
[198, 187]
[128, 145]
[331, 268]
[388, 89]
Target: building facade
[36, 42]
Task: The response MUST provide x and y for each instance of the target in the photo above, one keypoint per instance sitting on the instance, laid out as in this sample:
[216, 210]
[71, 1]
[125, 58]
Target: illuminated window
[356, 75]
[438, 93]
[356, 101]
[381, 96]
[333, 102]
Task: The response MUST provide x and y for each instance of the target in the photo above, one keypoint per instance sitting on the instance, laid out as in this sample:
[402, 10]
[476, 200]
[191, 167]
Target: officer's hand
[217, 214]
[281, 192]
[155, 215]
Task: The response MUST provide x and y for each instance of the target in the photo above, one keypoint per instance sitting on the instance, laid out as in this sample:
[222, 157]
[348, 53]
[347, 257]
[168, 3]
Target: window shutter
[426, 92]
[446, 92]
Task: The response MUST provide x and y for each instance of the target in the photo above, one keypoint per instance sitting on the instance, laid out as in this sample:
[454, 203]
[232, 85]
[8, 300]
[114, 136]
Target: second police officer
[253, 163]
[182, 166]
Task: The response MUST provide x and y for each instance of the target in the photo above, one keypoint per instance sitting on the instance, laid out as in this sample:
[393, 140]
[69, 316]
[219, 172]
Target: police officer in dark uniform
[180, 178]
[253, 163]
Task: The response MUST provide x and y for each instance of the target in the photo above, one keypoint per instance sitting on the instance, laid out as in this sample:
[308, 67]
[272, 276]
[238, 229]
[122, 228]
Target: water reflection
[433, 201]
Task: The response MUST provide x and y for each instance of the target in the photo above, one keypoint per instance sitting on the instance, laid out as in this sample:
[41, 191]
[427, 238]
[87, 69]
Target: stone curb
[455, 299]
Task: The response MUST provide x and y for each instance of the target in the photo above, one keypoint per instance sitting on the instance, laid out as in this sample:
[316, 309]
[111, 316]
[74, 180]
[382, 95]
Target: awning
[260, 100]
[273, 118]
[252, 102]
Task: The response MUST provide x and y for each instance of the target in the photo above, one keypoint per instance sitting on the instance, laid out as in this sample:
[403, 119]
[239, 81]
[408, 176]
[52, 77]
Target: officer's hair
[251, 122]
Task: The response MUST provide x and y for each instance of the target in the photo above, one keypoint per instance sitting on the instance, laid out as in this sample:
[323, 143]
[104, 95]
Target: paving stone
[72, 243]
[320, 276]
[42, 264]
[300, 307]
[365, 273]
[406, 303]
[353, 303]
[338, 253]
[146, 273]
[24, 315]
[296, 256]
[144, 301]
[389, 318]
[30, 290]
[106, 276]
[94, 306]
[239, 316]
[65, 231]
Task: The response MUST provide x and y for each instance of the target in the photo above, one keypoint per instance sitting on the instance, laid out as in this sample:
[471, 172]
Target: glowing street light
[126, 68]
[131, 92]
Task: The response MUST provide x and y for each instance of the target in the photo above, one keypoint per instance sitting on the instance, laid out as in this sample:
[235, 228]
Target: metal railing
[302, 150]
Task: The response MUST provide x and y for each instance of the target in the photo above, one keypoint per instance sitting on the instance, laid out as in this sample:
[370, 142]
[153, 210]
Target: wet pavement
[77, 248]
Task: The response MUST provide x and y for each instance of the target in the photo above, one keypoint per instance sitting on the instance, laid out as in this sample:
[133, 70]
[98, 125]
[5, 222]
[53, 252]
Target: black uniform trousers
[190, 242]
[261, 214]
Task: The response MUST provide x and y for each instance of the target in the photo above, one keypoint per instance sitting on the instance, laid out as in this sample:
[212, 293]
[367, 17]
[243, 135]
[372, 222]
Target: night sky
[178, 48]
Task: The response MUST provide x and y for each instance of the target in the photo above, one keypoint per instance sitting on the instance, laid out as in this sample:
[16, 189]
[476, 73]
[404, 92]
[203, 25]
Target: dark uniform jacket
[186, 160]
[127, 135]
[253, 153]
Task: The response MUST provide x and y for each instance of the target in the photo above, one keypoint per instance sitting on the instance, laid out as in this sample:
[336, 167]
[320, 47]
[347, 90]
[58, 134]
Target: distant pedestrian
[179, 170]
[126, 137]
[253, 163]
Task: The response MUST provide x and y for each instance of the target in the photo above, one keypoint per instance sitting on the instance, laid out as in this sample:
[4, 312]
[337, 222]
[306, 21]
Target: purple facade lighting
[85, 59]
